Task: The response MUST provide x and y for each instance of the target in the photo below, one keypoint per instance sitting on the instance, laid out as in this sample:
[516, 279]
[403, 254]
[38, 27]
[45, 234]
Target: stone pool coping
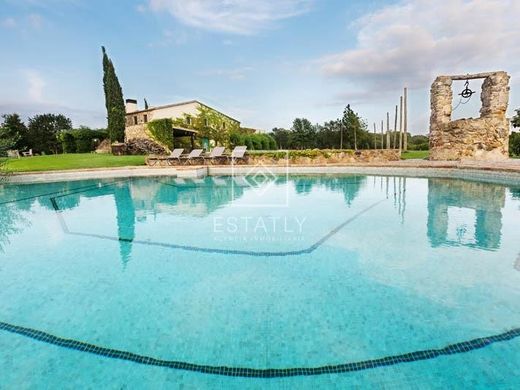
[503, 172]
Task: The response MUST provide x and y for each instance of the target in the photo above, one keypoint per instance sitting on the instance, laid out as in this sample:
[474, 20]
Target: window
[145, 118]
[188, 120]
[223, 125]
[135, 120]
[206, 122]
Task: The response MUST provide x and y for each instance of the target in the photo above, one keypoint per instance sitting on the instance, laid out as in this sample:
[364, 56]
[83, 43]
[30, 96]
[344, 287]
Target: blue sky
[263, 62]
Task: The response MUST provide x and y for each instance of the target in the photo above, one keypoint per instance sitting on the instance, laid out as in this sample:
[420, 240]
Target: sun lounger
[174, 156]
[195, 154]
[238, 154]
[216, 153]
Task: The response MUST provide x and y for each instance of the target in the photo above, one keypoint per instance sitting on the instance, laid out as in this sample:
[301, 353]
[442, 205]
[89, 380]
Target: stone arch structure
[483, 138]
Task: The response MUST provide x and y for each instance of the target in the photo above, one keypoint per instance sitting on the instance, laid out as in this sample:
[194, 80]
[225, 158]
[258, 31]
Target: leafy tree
[281, 137]
[43, 131]
[303, 134]
[114, 102]
[15, 128]
[329, 135]
[515, 121]
[7, 142]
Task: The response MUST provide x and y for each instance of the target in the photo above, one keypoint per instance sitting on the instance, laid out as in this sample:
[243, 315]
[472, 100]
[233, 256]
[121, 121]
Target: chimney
[131, 105]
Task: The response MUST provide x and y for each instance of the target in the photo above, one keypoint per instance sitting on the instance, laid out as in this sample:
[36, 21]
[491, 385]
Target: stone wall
[137, 132]
[483, 138]
[323, 157]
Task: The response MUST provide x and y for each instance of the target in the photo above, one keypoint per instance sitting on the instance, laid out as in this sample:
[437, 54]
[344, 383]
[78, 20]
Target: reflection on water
[449, 200]
[125, 214]
[349, 187]
[11, 222]
[460, 213]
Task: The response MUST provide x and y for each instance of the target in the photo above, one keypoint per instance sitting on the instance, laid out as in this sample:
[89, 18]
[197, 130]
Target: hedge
[81, 140]
[257, 141]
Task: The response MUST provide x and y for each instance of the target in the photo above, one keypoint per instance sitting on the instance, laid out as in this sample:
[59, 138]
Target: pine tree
[352, 123]
[114, 102]
[145, 104]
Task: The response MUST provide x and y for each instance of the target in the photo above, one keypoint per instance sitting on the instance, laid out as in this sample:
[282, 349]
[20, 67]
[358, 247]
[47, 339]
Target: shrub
[255, 141]
[514, 144]
[236, 138]
[309, 153]
[161, 131]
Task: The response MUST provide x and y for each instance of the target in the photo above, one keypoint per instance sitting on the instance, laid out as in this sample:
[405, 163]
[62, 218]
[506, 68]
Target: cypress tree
[114, 102]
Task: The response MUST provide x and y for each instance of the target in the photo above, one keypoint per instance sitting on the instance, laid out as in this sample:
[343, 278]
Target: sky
[262, 62]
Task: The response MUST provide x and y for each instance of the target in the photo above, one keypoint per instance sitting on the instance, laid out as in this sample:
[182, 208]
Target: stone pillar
[441, 97]
[440, 102]
[495, 95]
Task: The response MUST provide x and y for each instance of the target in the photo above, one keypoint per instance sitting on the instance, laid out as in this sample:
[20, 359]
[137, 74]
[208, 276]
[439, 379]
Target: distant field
[415, 154]
[72, 161]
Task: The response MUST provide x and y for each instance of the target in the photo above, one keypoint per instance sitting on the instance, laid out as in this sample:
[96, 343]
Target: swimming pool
[260, 282]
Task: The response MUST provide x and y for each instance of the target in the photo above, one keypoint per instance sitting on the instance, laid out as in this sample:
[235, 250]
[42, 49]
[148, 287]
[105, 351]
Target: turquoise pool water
[305, 282]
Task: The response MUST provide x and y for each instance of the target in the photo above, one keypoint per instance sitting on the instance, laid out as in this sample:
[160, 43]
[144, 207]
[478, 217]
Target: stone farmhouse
[183, 114]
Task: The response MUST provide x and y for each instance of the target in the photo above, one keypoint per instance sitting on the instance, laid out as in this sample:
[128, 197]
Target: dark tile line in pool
[457, 348]
[310, 249]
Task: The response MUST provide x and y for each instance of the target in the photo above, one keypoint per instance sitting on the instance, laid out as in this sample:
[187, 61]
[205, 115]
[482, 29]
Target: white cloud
[35, 83]
[412, 41]
[8, 23]
[231, 16]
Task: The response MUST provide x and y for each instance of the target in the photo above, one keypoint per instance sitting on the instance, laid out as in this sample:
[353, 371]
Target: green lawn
[72, 161]
[415, 154]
